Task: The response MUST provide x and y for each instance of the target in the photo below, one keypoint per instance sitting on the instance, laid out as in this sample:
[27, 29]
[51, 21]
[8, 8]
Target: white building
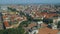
[40, 22]
[34, 32]
[55, 22]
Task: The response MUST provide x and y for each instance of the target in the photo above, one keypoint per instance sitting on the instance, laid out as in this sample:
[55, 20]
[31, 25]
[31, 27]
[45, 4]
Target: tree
[1, 31]
[13, 31]
[5, 32]
[22, 13]
[36, 20]
[29, 18]
[24, 23]
[12, 9]
[58, 25]
[47, 21]
[20, 30]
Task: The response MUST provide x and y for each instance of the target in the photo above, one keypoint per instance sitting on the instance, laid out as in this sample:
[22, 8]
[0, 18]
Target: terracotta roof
[44, 25]
[47, 31]
[32, 25]
[19, 19]
[41, 14]
[6, 24]
[47, 15]
[5, 16]
[51, 15]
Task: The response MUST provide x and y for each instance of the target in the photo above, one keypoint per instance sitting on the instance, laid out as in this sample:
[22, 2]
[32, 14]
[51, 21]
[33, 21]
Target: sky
[28, 1]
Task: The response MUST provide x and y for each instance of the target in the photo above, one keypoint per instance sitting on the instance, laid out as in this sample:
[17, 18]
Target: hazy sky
[28, 1]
